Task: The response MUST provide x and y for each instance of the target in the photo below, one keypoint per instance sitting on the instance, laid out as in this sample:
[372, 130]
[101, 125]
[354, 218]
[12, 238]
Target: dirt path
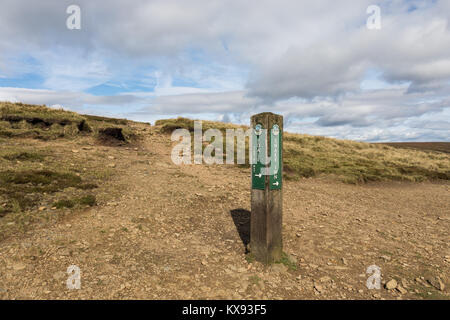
[163, 231]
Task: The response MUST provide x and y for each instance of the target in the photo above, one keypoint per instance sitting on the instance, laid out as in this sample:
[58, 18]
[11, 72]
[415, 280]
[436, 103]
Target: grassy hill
[103, 193]
[41, 163]
[304, 155]
[349, 161]
[427, 146]
[19, 120]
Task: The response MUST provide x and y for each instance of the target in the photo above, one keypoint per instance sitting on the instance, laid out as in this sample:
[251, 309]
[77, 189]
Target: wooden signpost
[267, 168]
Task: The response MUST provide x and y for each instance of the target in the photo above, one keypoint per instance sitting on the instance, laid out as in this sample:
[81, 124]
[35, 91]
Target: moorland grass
[88, 200]
[349, 161]
[24, 188]
[18, 120]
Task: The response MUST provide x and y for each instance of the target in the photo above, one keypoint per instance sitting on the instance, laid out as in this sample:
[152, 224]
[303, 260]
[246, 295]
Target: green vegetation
[429, 293]
[427, 146]
[108, 120]
[307, 156]
[35, 175]
[35, 114]
[25, 189]
[287, 261]
[46, 162]
[254, 279]
[24, 156]
[88, 200]
[65, 203]
[168, 125]
[249, 257]
[354, 162]
[40, 122]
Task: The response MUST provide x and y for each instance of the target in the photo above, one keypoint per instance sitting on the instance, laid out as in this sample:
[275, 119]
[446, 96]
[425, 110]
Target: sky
[315, 62]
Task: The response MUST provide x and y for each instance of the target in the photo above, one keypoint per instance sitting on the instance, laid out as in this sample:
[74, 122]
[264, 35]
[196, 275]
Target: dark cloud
[339, 120]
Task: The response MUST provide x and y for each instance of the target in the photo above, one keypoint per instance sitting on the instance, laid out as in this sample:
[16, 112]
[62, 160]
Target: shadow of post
[241, 219]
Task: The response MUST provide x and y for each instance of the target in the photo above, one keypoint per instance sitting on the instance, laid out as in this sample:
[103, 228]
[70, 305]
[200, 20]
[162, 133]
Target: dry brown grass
[353, 162]
[42, 164]
[33, 121]
[348, 161]
[426, 146]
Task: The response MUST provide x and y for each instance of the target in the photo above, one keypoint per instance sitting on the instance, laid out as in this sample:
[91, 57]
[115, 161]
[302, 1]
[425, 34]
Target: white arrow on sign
[259, 175]
[275, 183]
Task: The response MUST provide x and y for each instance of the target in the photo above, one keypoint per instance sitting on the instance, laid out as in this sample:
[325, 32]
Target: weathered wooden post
[266, 217]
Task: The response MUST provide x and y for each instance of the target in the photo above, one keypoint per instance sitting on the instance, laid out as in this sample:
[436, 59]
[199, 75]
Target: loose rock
[402, 290]
[279, 267]
[318, 287]
[391, 284]
[19, 266]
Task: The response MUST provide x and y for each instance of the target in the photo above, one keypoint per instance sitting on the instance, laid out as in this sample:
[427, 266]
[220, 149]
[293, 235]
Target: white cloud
[310, 61]
[69, 99]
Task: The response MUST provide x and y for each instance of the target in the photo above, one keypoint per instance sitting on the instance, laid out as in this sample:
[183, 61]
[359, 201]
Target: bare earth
[163, 231]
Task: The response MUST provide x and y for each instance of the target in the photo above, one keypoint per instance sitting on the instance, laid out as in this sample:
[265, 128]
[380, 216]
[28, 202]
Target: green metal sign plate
[275, 178]
[259, 142]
